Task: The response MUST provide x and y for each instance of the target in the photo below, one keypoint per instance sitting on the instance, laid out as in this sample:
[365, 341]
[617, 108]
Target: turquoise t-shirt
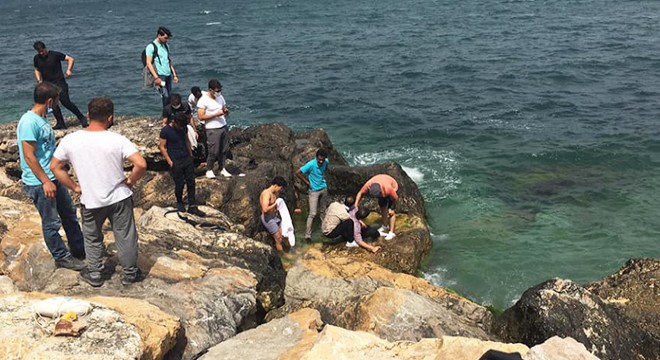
[315, 174]
[33, 127]
[162, 61]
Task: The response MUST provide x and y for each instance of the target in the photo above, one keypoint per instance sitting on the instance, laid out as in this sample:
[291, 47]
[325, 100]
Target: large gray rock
[562, 308]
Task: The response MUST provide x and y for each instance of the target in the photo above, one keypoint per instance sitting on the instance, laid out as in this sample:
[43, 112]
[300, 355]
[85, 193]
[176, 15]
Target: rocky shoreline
[216, 288]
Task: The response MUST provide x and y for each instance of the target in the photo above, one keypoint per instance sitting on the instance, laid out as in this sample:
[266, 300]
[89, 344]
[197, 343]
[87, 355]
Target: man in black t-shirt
[175, 147]
[48, 67]
[174, 107]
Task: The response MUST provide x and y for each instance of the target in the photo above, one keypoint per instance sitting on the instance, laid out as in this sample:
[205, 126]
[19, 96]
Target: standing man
[97, 155]
[48, 67]
[269, 218]
[36, 144]
[211, 109]
[383, 187]
[160, 65]
[318, 188]
[176, 149]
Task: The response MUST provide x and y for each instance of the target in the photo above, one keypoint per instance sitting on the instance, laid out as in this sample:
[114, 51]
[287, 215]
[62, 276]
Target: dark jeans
[166, 91]
[345, 230]
[54, 213]
[183, 173]
[66, 102]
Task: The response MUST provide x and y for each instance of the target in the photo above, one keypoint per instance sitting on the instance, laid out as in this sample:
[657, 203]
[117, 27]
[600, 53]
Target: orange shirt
[388, 186]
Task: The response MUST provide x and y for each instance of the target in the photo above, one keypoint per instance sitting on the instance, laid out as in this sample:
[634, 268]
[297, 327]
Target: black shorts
[386, 202]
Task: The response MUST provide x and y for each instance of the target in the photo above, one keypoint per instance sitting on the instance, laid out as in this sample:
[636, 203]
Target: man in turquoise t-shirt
[160, 66]
[36, 144]
[318, 189]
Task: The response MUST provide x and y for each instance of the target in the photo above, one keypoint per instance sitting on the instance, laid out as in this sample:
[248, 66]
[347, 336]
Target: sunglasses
[216, 90]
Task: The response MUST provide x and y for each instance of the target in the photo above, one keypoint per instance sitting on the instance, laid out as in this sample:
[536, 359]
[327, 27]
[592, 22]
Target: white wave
[213, 23]
[205, 12]
[416, 175]
[438, 276]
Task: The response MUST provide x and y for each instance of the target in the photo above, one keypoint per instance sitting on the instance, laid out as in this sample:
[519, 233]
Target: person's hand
[196, 135]
[159, 82]
[176, 79]
[77, 189]
[128, 182]
[49, 189]
[169, 162]
[375, 249]
[68, 73]
[391, 212]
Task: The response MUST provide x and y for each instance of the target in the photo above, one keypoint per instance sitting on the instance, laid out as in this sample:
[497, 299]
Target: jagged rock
[635, 290]
[6, 285]
[562, 308]
[557, 348]
[139, 331]
[335, 285]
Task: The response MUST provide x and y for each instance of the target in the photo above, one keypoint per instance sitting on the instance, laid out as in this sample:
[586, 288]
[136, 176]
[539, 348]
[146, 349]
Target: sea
[530, 127]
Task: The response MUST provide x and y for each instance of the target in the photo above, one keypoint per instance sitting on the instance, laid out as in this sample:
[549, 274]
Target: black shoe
[94, 279]
[132, 278]
[193, 210]
[180, 207]
[83, 122]
[59, 127]
[71, 263]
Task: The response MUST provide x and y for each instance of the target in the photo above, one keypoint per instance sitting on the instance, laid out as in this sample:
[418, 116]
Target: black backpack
[144, 53]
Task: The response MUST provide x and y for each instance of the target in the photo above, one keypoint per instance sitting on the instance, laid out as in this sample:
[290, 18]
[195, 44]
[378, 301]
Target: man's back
[98, 159]
[335, 214]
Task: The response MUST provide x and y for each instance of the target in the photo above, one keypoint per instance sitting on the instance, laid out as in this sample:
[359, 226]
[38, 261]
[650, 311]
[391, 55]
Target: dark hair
[214, 84]
[349, 201]
[195, 90]
[39, 45]
[278, 180]
[321, 152]
[44, 91]
[100, 108]
[164, 31]
[181, 119]
[362, 213]
[175, 99]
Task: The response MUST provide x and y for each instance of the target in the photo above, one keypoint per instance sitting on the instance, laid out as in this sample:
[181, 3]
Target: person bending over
[384, 188]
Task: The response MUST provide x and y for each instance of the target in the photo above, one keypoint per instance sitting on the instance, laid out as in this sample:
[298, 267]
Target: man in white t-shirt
[97, 156]
[211, 108]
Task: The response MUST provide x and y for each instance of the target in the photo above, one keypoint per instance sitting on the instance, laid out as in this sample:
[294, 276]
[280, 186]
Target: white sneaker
[383, 228]
[382, 233]
[225, 173]
[210, 174]
[352, 244]
[390, 236]
[241, 174]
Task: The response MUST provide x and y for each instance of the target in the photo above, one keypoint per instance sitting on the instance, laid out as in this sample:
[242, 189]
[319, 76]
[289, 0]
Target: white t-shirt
[98, 160]
[192, 102]
[213, 106]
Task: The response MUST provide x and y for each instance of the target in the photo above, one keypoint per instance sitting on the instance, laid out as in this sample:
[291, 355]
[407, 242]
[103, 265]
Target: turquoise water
[530, 127]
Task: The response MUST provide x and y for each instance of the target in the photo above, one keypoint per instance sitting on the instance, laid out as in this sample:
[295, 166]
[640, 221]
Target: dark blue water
[530, 126]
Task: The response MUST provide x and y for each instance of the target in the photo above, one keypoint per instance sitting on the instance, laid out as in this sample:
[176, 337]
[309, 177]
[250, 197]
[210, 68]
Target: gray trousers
[123, 227]
[217, 143]
[316, 198]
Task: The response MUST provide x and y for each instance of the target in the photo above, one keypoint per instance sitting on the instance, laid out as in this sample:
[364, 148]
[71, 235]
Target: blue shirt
[162, 61]
[33, 127]
[177, 147]
[315, 174]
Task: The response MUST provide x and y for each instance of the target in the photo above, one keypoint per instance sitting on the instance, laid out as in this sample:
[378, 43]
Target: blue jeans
[54, 213]
[166, 91]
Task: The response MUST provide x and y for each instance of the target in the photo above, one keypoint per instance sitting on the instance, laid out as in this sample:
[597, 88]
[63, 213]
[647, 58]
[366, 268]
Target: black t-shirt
[169, 111]
[50, 66]
[176, 145]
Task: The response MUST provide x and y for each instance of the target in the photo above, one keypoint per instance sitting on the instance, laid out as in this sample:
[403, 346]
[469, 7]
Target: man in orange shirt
[383, 187]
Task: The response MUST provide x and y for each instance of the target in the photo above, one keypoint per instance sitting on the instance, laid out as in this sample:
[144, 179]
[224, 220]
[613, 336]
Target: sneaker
[193, 210]
[352, 244]
[71, 263]
[382, 233]
[59, 127]
[383, 229]
[390, 236]
[132, 278]
[180, 207]
[225, 173]
[210, 174]
[93, 278]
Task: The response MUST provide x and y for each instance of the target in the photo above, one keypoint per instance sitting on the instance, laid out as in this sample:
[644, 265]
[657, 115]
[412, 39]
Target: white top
[98, 159]
[192, 101]
[213, 106]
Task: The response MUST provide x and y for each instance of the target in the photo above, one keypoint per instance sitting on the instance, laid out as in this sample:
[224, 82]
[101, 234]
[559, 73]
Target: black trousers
[66, 102]
[183, 173]
[345, 230]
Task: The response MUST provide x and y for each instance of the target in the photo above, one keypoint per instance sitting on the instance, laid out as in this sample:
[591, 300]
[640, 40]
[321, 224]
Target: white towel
[287, 224]
[191, 137]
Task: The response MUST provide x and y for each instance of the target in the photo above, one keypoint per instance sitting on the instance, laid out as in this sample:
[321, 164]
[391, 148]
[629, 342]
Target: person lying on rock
[97, 156]
[177, 151]
[344, 223]
[269, 213]
[384, 188]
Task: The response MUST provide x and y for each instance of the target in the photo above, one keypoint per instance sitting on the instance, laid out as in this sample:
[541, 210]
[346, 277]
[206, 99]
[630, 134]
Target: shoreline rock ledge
[216, 289]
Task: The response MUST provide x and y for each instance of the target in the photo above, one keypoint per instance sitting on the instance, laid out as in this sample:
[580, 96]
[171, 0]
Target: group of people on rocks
[341, 221]
[97, 156]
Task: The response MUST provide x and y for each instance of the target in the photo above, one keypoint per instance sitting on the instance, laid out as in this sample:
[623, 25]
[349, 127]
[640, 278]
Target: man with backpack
[157, 62]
